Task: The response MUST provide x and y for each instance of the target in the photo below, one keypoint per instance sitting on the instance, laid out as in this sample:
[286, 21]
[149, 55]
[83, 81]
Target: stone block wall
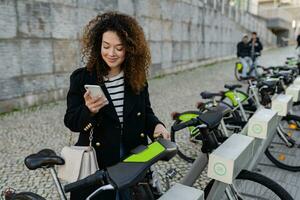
[39, 40]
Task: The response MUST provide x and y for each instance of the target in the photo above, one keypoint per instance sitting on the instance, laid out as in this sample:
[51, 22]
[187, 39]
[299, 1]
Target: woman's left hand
[161, 130]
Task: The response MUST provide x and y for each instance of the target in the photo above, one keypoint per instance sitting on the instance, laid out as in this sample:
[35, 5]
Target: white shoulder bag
[80, 162]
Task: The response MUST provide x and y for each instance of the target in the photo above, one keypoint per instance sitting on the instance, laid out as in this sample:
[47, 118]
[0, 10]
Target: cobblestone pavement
[30, 130]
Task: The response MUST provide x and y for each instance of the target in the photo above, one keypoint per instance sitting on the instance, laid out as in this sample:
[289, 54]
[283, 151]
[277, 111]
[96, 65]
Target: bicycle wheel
[27, 196]
[280, 160]
[251, 185]
[188, 140]
[283, 156]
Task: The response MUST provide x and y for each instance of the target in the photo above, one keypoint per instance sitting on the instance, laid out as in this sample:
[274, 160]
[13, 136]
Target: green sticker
[230, 94]
[257, 128]
[152, 151]
[220, 169]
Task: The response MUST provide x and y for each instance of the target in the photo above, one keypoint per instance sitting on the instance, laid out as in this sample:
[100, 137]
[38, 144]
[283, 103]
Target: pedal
[169, 175]
[8, 193]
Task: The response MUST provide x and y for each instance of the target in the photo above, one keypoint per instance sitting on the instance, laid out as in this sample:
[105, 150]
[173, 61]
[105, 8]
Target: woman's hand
[94, 104]
[161, 130]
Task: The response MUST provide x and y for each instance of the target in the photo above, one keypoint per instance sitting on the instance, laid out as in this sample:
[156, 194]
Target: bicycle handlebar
[98, 176]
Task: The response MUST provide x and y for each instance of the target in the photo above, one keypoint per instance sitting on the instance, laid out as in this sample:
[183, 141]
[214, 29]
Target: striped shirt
[115, 88]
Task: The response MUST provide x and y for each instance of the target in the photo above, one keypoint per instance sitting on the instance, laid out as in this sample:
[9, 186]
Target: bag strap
[91, 136]
[70, 138]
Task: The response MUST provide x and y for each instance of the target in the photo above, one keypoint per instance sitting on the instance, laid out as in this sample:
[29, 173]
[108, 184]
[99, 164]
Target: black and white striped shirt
[115, 87]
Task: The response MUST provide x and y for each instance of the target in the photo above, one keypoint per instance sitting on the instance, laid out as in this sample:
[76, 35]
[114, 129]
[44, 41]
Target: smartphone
[95, 90]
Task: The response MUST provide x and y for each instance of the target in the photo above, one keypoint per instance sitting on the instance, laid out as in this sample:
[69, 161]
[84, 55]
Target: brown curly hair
[137, 53]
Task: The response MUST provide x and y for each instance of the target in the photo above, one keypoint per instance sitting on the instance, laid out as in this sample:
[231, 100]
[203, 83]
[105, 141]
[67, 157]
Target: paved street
[28, 131]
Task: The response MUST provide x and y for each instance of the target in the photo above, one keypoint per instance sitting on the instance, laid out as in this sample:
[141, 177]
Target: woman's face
[112, 50]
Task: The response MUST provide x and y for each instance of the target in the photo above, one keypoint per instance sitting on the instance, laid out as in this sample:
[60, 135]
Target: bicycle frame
[196, 169]
[257, 102]
[57, 184]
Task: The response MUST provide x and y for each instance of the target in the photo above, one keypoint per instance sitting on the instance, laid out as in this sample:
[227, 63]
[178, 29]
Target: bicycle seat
[268, 83]
[211, 118]
[131, 170]
[285, 68]
[279, 75]
[280, 68]
[252, 78]
[209, 95]
[44, 158]
[290, 58]
[232, 87]
[222, 107]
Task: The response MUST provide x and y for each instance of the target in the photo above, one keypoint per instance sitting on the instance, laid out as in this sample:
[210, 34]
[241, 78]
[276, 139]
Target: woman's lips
[112, 60]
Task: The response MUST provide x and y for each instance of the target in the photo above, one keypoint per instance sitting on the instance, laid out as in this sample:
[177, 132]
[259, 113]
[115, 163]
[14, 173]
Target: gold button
[138, 114]
[142, 135]
[98, 144]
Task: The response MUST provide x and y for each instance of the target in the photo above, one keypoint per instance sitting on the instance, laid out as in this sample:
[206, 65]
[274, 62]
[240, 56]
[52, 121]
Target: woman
[117, 58]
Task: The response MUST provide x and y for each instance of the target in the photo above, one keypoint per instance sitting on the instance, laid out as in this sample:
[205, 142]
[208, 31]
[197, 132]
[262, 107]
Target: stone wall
[39, 40]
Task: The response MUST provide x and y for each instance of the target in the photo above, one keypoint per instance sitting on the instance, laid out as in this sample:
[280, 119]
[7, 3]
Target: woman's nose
[111, 52]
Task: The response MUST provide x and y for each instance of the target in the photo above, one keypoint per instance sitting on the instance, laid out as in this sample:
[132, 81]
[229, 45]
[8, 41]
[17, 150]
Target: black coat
[298, 41]
[258, 47]
[243, 50]
[139, 119]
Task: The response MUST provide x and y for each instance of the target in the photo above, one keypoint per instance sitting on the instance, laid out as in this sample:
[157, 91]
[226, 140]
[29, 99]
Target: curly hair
[137, 54]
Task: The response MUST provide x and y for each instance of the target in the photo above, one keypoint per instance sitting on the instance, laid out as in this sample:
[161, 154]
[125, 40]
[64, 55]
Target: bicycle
[287, 138]
[136, 167]
[254, 68]
[216, 189]
[235, 121]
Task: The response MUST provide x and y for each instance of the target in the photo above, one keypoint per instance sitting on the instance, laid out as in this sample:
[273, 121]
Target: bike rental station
[233, 130]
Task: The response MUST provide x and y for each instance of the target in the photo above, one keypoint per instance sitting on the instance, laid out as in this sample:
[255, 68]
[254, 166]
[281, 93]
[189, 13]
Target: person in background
[244, 54]
[255, 46]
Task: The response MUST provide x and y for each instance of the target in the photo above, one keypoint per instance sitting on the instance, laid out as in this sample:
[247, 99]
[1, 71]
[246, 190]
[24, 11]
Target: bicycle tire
[277, 189]
[179, 152]
[27, 196]
[279, 164]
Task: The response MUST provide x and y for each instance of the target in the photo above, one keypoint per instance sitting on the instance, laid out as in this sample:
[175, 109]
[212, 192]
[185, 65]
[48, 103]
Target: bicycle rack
[179, 192]
[259, 146]
[294, 91]
[282, 104]
[225, 163]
